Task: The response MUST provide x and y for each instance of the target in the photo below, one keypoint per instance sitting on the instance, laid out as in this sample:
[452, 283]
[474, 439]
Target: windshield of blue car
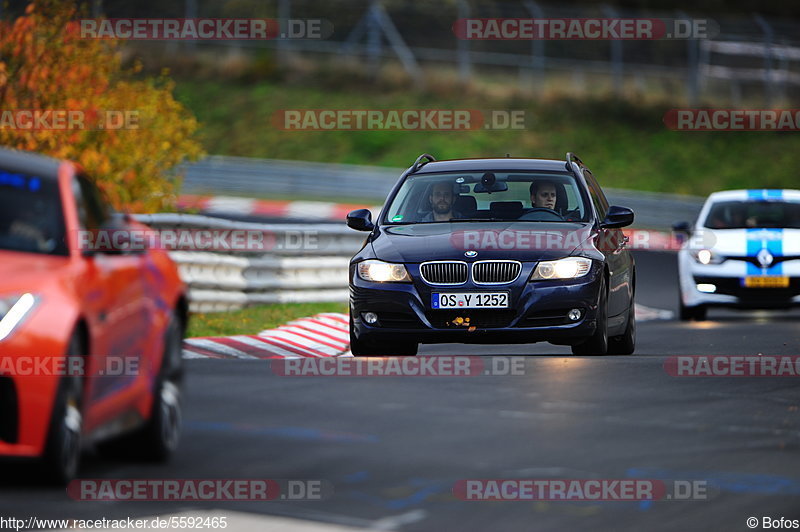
[31, 219]
[488, 196]
[753, 215]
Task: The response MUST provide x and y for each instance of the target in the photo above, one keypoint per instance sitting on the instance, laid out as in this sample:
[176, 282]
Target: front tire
[158, 439]
[697, 313]
[625, 344]
[363, 348]
[62, 454]
[597, 344]
[161, 435]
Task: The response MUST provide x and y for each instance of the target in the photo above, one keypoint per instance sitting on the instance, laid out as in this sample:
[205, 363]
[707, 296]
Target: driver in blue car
[543, 194]
[441, 200]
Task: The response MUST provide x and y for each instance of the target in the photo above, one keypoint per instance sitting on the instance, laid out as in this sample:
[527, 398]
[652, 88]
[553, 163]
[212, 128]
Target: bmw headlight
[382, 272]
[569, 268]
[706, 256]
[13, 310]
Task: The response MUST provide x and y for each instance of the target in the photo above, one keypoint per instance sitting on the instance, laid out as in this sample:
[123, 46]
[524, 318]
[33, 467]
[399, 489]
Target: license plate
[469, 300]
[764, 281]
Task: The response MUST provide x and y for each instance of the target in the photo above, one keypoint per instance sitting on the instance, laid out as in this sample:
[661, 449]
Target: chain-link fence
[753, 58]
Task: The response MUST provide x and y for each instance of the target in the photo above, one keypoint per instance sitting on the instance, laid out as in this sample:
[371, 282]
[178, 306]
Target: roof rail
[571, 157]
[419, 163]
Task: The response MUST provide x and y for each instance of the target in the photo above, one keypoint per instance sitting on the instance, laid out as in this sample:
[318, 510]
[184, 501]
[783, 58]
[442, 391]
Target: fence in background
[752, 56]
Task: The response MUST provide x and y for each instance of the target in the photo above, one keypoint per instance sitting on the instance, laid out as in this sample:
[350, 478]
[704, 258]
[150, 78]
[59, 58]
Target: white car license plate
[469, 300]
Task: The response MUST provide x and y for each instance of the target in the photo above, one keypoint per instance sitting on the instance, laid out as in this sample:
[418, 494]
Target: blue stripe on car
[764, 194]
[774, 245]
[774, 194]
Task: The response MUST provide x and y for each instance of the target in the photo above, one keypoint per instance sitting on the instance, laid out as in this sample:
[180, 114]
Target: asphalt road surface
[393, 447]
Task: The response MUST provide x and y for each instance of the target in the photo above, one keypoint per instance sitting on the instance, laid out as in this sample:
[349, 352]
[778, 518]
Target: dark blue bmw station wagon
[499, 251]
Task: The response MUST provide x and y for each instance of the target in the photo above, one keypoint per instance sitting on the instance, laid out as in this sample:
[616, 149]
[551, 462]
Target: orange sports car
[90, 339]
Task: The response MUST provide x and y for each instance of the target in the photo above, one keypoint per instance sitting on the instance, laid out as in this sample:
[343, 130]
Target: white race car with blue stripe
[743, 252]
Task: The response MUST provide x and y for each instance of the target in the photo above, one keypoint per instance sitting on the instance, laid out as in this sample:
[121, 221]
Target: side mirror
[112, 238]
[617, 217]
[360, 220]
[682, 227]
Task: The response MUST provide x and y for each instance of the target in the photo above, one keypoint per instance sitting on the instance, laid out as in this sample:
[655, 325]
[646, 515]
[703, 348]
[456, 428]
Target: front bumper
[727, 278]
[537, 312]
[27, 396]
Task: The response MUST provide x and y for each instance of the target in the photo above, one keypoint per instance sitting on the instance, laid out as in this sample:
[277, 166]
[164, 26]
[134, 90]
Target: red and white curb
[302, 210]
[323, 335]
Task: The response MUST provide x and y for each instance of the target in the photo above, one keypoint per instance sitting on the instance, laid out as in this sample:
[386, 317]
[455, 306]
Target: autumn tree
[46, 65]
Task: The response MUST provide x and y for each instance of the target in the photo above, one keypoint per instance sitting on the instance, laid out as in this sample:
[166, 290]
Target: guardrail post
[537, 47]
[373, 41]
[403, 52]
[284, 12]
[616, 54]
[191, 12]
[784, 70]
[768, 37]
[692, 67]
[464, 64]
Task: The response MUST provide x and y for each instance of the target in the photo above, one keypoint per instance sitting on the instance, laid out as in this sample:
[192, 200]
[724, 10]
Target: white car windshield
[753, 215]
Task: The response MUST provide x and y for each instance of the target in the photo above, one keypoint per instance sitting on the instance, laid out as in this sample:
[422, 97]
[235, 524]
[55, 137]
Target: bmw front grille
[444, 272]
[495, 271]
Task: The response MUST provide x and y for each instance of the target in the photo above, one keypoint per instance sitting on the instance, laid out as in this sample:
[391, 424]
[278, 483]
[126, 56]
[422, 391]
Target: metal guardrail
[254, 177]
[288, 270]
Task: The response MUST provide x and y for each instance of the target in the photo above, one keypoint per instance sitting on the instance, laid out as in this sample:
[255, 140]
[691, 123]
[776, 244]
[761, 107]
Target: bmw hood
[523, 241]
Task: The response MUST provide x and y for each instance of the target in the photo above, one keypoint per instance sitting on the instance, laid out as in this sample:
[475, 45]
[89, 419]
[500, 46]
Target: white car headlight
[13, 310]
[382, 272]
[706, 256]
[569, 268]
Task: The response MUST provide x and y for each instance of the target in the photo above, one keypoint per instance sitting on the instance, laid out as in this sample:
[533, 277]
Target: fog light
[574, 314]
[370, 317]
[707, 288]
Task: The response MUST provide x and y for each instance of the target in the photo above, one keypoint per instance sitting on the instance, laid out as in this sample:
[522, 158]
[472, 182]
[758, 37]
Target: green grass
[253, 320]
[625, 143]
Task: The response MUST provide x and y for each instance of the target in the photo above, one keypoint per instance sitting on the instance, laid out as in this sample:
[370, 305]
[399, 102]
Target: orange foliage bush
[45, 65]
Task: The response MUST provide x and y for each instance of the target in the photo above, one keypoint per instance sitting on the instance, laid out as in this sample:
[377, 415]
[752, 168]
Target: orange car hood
[28, 272]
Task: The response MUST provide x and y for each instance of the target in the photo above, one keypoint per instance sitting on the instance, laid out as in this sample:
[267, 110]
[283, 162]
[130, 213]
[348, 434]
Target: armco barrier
[304, 263]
